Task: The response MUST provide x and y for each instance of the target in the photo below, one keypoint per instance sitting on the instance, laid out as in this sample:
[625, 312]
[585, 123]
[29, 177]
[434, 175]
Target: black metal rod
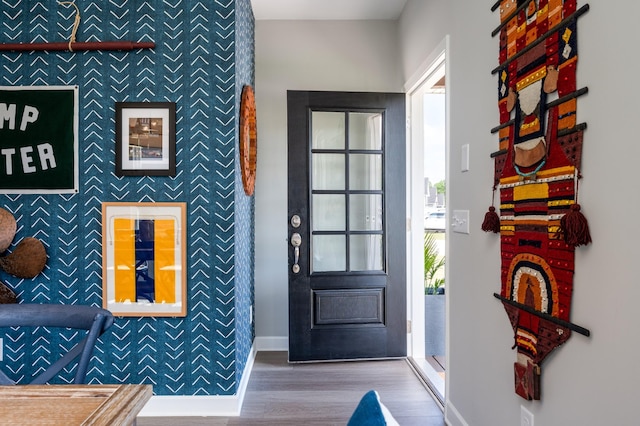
[496, 5]
[575, 15]
[548, 317]
[497, 153]
[503, 125]
[510, 17]
[558, 101]
[568, 97]
[576, 128]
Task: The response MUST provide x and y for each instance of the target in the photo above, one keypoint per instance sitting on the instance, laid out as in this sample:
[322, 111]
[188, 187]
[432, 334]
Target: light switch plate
[460, 221]
[464, 161]
[526, 417]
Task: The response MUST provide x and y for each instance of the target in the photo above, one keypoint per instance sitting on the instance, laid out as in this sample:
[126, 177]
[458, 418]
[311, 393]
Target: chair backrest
[92, 319]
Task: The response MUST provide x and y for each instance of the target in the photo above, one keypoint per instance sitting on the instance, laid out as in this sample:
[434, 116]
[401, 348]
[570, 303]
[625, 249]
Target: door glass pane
[327, 130]
[328, 171]
[365, 172]
[365, 212]
[365, 253]
[365, 130]
[329, 253]
[328, 212]
[331, 212]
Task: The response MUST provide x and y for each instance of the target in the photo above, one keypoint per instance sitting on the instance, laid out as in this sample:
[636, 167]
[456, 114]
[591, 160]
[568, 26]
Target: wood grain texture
[122, 407]
[321, 394]
[66, 405]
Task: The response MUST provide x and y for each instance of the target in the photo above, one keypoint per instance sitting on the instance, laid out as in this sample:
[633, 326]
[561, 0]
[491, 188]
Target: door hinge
[408, 326]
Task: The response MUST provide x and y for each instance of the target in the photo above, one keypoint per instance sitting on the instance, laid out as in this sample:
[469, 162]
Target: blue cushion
[371, 412]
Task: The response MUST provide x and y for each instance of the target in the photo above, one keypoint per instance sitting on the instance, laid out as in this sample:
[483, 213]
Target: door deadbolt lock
[296, 221]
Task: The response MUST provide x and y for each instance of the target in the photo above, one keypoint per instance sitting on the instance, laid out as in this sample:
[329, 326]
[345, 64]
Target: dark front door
[346, 203]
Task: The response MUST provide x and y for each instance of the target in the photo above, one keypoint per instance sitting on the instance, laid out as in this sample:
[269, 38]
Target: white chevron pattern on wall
[195, 65]
[245, 247]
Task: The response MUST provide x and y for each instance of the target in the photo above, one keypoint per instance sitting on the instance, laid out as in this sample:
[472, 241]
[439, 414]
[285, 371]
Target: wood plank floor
[323, 394]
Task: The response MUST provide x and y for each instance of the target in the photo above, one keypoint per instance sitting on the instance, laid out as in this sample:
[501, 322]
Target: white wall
[588, 381]
[308, 55]
[422, 26]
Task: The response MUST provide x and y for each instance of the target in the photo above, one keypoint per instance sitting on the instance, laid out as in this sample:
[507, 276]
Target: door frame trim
[346, 340]
[415, 185]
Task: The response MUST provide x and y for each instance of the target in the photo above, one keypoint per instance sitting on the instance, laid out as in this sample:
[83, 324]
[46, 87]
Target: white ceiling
[327, 9]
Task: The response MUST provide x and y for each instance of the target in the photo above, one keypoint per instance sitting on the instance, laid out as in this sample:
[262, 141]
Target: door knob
[296, 241]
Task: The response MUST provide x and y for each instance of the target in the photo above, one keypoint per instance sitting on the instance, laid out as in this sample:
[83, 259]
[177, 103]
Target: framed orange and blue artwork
[143, 256]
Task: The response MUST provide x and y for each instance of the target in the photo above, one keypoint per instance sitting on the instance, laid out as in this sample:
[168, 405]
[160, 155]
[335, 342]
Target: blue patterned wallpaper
[204, 54]
[245, 243]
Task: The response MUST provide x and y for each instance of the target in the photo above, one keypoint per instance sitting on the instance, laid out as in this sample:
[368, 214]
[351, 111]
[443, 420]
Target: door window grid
[347, 173]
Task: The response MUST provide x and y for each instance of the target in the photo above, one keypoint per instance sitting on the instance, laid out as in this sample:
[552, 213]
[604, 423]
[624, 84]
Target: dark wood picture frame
[145, 138]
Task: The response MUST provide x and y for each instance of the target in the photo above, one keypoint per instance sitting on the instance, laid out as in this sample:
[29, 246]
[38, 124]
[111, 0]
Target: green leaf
[433, 262]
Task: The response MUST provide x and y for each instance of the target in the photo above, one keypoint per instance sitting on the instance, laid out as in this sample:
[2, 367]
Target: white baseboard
[203, 406]
[271, 343]
[452, 417]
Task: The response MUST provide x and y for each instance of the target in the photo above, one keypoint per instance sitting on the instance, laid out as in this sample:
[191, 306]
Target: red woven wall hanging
[537, 168]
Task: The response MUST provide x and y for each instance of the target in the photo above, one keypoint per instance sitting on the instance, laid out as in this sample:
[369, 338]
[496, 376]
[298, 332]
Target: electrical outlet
[526, 417]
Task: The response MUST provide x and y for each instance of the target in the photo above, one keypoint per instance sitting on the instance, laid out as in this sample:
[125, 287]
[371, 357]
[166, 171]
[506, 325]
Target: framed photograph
[144, 259]
[145, 138]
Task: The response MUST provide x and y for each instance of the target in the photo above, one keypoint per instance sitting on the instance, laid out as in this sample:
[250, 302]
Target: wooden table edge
[122, 407]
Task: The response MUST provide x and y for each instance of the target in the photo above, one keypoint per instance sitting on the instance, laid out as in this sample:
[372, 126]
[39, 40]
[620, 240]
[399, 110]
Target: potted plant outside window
[434, 301]
[433, 264]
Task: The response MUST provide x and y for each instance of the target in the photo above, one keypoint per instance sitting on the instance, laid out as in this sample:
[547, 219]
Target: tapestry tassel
[574, 227]
[491, 221]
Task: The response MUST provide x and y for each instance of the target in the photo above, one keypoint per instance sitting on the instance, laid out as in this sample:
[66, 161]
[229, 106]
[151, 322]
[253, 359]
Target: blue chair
[92, 319]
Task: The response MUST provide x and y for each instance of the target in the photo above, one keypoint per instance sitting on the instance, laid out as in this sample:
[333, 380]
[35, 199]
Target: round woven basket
[8, 228]
[27, 260]
[7, 295]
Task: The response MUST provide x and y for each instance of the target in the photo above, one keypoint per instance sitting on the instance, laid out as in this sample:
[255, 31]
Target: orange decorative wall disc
[248, 139]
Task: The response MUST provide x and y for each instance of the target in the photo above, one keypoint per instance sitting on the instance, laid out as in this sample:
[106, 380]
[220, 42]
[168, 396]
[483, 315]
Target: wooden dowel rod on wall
[584, 9]
[569, 325]
[565, 98]
[564, 132]
[77, 46]
[510, 17]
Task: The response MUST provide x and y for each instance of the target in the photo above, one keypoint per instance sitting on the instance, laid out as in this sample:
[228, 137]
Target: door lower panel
[345, 307]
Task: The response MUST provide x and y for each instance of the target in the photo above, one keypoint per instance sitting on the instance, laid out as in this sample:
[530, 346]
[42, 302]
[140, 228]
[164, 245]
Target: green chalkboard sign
[39, 139]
